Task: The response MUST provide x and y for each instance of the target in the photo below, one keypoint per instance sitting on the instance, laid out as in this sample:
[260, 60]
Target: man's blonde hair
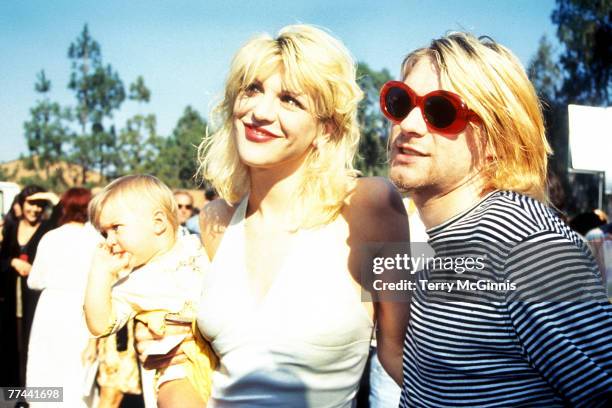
[133, 190]
[493, 83]
[312, 62]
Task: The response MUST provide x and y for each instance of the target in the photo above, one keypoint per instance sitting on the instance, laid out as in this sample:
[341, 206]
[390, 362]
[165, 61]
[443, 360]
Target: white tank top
[305, 344]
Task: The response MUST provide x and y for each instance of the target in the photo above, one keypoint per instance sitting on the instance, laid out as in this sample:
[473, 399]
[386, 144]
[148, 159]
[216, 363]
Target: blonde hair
[133, 189]
[493, 83]
[319, 65]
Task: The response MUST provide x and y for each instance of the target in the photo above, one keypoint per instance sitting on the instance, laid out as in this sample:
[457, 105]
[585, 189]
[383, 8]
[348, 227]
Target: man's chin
[401, 180]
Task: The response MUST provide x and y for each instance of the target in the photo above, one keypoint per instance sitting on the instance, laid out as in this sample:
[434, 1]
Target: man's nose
[414, 123]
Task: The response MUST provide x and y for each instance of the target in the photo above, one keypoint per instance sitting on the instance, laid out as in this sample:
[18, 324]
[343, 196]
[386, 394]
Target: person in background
[193, 223]
[585, 222]
[184, 201]
[600, 242]
[11, 217]
[60, 349]
[17, 253]
[531, 325]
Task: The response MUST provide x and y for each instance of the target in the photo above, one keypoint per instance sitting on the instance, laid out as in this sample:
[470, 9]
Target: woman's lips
[258, 135]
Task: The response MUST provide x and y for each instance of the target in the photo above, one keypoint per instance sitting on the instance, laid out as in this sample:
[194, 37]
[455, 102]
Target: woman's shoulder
[214, 219]
[375, 210]
[374, 192]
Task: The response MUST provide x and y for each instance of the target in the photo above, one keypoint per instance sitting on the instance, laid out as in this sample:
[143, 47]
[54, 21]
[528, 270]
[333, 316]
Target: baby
[143, 268]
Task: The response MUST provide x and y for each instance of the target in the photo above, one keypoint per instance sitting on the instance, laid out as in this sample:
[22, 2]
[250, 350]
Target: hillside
[16, 170]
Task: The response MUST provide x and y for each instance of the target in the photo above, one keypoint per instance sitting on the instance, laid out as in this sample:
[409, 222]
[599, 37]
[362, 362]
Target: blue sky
[182, 48]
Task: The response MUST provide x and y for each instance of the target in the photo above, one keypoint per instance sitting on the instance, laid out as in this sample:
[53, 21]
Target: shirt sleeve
[562, 317]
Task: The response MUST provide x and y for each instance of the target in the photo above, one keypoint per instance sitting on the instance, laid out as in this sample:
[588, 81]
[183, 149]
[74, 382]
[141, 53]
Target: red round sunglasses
[443, 111]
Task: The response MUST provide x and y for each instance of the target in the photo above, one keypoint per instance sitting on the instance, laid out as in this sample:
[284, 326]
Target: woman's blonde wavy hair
[493, 83]
[312, 62]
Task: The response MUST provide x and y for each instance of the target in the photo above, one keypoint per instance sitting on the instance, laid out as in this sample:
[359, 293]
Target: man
[526, 322]
[193, 223]
[184, 200]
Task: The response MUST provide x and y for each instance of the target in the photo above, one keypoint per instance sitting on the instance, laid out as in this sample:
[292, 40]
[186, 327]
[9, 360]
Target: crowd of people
[268, 297]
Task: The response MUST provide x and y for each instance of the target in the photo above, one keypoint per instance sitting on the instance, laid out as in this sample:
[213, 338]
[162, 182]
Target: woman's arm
[378, 226]
[214, 218]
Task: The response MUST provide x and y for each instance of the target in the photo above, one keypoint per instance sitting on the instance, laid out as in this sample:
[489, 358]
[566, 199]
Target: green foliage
[372, 155]
[544, 72]
[99, 92]
[42, 85]
[46, 131]
[582, 75]
[584, 27]
[139, 146]
[177, 163]
[139, 91]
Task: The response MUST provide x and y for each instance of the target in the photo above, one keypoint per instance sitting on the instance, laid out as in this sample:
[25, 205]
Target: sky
[183, 48]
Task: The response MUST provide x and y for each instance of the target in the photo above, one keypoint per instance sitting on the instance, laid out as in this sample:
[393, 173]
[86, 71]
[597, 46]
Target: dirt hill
[16, 170]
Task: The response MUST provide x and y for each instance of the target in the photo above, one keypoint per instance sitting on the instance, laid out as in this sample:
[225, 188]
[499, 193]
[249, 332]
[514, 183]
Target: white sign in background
[590, 140]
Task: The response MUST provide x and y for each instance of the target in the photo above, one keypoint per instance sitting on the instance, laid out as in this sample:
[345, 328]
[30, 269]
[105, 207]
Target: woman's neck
[272, 191]
[28, 223]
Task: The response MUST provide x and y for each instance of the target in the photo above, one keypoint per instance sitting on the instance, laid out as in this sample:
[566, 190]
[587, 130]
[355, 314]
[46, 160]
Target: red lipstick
[258, 135]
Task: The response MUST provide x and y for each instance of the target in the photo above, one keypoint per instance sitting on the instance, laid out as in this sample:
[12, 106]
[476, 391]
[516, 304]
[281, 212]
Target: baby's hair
[132, 190]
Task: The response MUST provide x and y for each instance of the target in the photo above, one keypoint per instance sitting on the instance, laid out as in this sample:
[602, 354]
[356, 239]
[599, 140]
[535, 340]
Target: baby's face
[127, 229]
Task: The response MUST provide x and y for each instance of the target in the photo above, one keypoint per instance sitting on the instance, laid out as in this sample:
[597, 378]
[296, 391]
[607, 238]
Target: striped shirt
[527, 322]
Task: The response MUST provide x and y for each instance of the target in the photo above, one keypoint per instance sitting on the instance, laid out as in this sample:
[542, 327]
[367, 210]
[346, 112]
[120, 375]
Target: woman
[281, 304]
[60, 350]
[16, 256]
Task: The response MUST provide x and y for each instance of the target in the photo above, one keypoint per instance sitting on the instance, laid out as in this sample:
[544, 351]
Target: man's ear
[160, 222]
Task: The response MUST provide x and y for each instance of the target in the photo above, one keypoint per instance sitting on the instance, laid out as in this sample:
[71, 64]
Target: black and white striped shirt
[545, 340]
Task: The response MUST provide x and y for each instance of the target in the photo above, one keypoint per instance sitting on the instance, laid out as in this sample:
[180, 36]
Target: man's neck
[436, 208]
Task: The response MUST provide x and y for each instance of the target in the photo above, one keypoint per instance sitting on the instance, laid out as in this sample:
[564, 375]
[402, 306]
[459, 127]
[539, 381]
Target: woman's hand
[22, 267]
[46, 196]
[145, 337]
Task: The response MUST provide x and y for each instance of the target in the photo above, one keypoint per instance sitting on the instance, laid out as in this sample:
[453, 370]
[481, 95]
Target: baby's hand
[109, 262]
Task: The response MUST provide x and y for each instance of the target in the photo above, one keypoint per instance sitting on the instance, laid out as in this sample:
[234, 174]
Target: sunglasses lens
[440, 111]
[398, 103]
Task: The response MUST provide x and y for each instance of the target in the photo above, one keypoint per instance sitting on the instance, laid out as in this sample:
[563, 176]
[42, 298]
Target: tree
[372, 154]
[139, 145]
[582, 75]
[139, 91]
[46, 132]
[546, 76]
[585, 30]
[544, 72]
[177, 161]
[99, 92]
